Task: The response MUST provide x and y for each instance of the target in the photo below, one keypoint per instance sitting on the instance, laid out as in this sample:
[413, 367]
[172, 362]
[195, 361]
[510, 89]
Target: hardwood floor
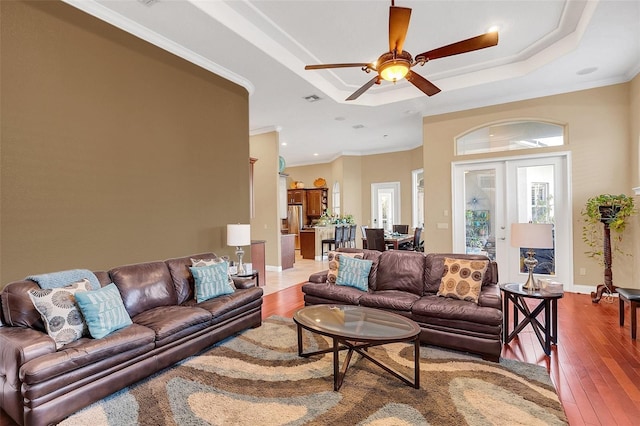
[595, 367]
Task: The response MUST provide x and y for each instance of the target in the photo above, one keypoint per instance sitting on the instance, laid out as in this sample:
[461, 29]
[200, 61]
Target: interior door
[490, 196]
[385, 205]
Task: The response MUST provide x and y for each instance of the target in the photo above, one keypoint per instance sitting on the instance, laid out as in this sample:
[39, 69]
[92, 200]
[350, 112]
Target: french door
[385, 205]
[490, 196]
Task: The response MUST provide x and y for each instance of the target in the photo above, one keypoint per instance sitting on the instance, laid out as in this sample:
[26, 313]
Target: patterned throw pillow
[354, 272]
[334, 264]
[208, 262]
[60, 314]
[462, 279]
[103, 310]
[211, 281]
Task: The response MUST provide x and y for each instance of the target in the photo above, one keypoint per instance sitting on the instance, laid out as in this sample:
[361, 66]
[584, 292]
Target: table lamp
[531, 236]
[239, 235]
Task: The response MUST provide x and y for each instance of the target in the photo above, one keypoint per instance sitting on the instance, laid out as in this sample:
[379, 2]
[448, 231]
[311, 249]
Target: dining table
[393, 240]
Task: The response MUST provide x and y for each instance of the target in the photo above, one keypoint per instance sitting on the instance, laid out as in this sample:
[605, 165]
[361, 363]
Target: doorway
[490, 196]
[385, 205]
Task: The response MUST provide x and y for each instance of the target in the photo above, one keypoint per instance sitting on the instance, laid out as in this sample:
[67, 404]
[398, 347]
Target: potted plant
[602, 215]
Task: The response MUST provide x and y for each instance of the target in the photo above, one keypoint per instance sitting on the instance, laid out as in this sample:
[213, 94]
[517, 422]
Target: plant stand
[608, 275]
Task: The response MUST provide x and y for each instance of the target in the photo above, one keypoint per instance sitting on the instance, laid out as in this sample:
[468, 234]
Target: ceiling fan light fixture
[394, 70]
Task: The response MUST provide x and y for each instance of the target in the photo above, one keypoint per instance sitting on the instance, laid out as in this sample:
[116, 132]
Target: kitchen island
[311, 241]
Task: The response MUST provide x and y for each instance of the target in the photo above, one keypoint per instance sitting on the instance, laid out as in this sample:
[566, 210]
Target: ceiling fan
[396, 64]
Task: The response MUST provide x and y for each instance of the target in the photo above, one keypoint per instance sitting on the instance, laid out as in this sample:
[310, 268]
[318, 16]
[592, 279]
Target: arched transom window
[508, 136]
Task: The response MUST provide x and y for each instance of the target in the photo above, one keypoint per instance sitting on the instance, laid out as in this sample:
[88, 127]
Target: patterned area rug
[257, 378]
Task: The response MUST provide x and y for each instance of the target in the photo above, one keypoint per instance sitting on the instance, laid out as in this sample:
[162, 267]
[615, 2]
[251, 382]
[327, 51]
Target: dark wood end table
[546, 333]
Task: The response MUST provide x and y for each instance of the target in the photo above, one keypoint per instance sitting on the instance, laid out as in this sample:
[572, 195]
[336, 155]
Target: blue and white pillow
[354, 272]
[211, 281]
[103, 310]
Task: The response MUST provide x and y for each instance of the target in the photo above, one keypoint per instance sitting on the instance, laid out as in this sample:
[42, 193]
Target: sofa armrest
[319, 277]
[490, 296]
[19, 345]
[244, 282]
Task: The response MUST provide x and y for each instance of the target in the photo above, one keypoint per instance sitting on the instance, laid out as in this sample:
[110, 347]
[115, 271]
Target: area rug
[257, 378]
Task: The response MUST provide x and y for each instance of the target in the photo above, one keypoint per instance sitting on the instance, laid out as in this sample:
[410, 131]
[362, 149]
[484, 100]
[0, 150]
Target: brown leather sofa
[41, 385]
[406, 283]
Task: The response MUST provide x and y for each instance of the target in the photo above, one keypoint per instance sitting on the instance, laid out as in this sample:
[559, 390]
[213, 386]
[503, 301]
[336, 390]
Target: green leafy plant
[620, 207]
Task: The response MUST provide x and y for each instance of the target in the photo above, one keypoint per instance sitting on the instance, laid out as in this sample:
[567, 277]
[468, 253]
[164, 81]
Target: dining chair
[416, 244]
[375, 239]
[352, 236]
[346, 233]
[401, 229]
[332, 243]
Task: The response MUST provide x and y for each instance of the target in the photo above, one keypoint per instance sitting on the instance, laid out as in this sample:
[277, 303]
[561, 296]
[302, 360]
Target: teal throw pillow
[354, 272]
[211, 281]
[103, 310]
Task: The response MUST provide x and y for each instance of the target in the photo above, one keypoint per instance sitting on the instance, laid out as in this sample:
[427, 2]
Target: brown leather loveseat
[41, 385]
[407, 283]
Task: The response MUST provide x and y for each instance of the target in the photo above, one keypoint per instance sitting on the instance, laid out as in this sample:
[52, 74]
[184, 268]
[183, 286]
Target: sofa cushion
[103, 310]
[334, 264]
[334, 293]
[57, 306]
[389, 299]
[462, 279]
[181, 275]
[144, 286]
[211, 281]
[434, 269]
[449, 310]
[85, 351]
[354, 272]
[171, 323]
[372, 255]
[401, 270]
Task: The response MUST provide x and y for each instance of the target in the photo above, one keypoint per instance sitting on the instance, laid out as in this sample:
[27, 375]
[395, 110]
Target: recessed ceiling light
[315, 154]
[586, 71]
[283, 143]
[312, 98]
[493, 29]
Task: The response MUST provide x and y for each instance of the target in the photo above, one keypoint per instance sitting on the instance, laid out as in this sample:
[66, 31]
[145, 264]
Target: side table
[546, 333]
[249, 276]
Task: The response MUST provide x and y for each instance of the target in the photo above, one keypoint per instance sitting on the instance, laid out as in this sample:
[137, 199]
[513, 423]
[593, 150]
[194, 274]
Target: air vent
[148, 2]
[312, 98]
[358, 126]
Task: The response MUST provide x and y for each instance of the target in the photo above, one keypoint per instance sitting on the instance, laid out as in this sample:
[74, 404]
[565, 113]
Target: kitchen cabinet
[308, 243]
[295, 196]
[316, 202]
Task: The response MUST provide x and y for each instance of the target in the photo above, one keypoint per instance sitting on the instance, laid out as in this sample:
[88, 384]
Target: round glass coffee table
[355, 329]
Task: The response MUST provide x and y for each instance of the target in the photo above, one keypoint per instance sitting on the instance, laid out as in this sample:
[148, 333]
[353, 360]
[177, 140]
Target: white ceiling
[546, 47]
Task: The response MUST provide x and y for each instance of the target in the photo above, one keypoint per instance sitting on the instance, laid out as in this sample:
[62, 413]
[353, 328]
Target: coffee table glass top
[356, 322]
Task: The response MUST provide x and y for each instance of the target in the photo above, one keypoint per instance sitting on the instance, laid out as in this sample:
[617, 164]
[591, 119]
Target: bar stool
[631, 295]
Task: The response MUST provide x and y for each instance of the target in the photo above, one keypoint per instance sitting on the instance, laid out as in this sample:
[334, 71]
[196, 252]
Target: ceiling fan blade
[422, 83]
[364, 88]
[325, 66]
[464, 46]
[398, 26]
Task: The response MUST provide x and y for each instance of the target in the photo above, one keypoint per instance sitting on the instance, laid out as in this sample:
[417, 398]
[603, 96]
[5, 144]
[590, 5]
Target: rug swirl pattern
[258, 378]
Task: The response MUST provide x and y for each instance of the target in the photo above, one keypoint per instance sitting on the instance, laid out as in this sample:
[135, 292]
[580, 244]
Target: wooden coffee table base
[361, 348]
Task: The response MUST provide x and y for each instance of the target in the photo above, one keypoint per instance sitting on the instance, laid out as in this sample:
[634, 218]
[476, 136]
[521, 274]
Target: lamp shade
[238, 235]
[532, 235]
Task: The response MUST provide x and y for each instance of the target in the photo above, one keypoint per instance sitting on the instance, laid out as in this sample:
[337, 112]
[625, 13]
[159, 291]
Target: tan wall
[598, 124]
[634, 118]
[357, 173]
[390, 167]
[266, 223]
[112, 150]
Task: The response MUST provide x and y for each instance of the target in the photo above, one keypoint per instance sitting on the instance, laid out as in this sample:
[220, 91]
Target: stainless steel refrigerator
[294, 221]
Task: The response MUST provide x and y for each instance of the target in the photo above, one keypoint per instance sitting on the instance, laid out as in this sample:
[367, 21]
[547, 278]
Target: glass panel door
[385, 205]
